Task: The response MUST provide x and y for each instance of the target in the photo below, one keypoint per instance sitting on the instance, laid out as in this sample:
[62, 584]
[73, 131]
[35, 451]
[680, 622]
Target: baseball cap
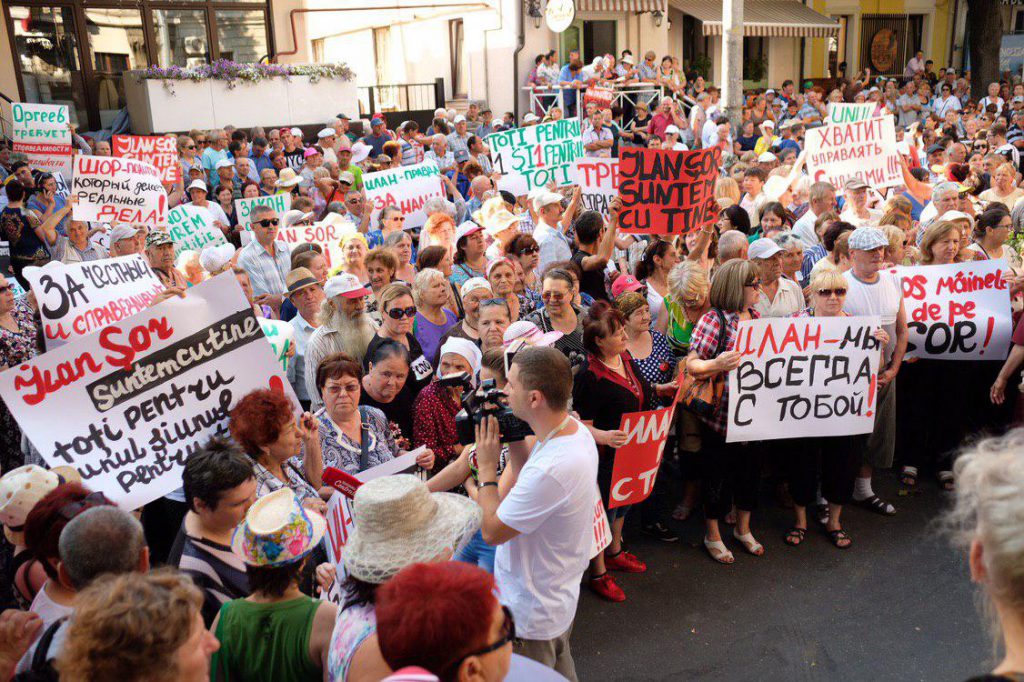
[293, 216]
[624, 284]
[343, 117]
[935, 148]
[461, 155]
[224, 163]
[346, 285]
[672, 129]
[867, 239]
[299, 278]
[769, 91]
[627, 59]
[347, 178]
[473, 284]
[376, 121]
[158, 238]
[310, 151]
[546, 199]
[531, 118]
[768, 123]
[198, 184]
[764, 248]
[854, 184]
[460, 119]
[122, 232]
[326, 132]
[297, 132]
[465, 229]
[766, 157]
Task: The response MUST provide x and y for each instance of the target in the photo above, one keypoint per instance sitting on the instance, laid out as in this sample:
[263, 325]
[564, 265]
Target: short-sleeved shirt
[266, 272]
[658, 367]
[429, 334]
[789, 298]
[603, 135]
[882, 297]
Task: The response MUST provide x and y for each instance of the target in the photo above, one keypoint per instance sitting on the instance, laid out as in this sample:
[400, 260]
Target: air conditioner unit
[195, 45]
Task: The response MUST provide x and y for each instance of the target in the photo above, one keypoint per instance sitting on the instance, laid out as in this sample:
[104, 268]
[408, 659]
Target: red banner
[636, 462]
[160, 151]
[667, 192]
[603, 97]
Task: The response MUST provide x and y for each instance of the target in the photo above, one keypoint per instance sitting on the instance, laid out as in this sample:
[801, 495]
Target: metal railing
[543, 98]
[401, 97]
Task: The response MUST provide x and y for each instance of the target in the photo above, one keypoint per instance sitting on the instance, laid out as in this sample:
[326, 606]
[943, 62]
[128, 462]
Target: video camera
[485, 401]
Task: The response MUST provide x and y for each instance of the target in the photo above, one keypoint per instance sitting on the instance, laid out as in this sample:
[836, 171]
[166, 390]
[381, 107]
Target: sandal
[947, 481]
[749, 543]
[837, 536]
[875, 504]
[795, 535]
[908, 476]
[718, 551]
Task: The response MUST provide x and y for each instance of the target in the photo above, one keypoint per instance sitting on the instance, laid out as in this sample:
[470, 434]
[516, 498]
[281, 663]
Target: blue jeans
[477, 552]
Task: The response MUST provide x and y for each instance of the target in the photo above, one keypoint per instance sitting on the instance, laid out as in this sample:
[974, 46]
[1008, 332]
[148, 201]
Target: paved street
[895, 606]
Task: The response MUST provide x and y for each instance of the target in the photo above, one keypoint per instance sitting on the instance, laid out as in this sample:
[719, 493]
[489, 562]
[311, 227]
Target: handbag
[703, 395]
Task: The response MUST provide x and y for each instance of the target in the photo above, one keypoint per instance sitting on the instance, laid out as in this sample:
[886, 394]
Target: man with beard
[344, 328]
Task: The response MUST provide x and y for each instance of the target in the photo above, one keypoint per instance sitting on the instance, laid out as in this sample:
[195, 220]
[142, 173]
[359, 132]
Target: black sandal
[836, 536]
[875, 504]
[794, 536]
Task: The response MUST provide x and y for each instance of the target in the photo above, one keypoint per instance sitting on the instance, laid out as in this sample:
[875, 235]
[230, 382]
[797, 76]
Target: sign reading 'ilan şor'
[126, 405]
[667, 192]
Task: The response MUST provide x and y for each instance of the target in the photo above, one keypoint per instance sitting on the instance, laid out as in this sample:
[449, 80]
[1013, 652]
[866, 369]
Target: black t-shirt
[592, 281]
[398, 411]
[295, 158]
[420, 369]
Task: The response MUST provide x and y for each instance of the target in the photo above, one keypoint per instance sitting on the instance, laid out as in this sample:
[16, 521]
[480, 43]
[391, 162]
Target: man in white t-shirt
[870, 292]
[544, 527]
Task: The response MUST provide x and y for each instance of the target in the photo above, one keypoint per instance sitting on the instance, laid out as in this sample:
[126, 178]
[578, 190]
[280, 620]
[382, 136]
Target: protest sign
[848, 112]
[599, 183]
[602, 536]
[803, 377]
[602, 97]
[667, 192]
[192, 229]
[408, 187]
[863, 149]
[159, 151]
[5, 259]
[637, 460]
[42, 133]
[118, 190]
[534, 156]
[243, 207]
[78, 298]
[127, 404]
[959, 311]
[281, 336]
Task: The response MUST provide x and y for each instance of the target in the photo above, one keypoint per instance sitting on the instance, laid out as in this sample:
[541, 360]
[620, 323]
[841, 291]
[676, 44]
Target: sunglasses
[399, 217]
[553, 296]
[266, 222]
[508, 633]
[73, 509]
[492, 301]
[827, 293]
[755, 284]
[190, 146]
[530, 250]
[399, 313]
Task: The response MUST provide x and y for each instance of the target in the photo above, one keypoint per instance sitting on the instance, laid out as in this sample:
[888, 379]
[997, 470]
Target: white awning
[773, 18]
[620, 5]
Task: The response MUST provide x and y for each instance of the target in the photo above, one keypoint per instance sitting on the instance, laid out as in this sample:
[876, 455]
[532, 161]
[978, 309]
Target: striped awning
[782, 18]
[620, 5]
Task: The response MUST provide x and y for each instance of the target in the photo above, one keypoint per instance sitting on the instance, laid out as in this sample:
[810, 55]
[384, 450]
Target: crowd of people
[444, 576]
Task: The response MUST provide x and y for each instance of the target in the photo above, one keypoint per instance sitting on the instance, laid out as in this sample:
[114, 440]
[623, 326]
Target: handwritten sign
[408, 187]
[667, 192]
[41, 132]
[159, 151]
[243, 207]
[192, 229]
[959, 311]
[118, 190]
[803, 377]
[637, 461]
[79, 298]
[127, 404]
[863, 149]
[850, 112]
[599, 183]
[532, 157]
[281, 336]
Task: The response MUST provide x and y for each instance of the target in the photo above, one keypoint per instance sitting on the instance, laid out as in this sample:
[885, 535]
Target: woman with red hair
[284, 452]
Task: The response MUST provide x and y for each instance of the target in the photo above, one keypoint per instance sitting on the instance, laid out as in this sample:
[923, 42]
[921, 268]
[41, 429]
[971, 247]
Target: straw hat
[277, 531]
[287, 178]
[495, 217]
[399, 522]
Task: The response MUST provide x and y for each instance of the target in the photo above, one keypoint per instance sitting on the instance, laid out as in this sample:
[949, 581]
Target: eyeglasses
[530, 250]
[755, 284]
[73, 509]
[397, 216]
[190, 146]
[399, 313]
[508, 633]
[553, 296]
[826, 293]
[266, 222]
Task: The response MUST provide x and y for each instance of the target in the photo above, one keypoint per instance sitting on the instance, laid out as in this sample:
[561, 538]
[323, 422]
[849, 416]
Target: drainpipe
[520, 44]
[362, 8]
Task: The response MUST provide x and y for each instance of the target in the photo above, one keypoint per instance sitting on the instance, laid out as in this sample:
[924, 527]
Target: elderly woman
[494, 319]
[354, 437]
[502, 277]
[187, 263]
[398, 312]
[353, 254]
[470, 258]
[1004, 187]
[992, 229]
[285, 452]
[430, 291]
[792, 255]
[391, 221]
[560, 314]
[436, 406]
[386, 386]
[401, 244]
[833, 461]
[381, 264]
[685, 304]
[730, 471]
[775, 219]
[438, 258]
[607, 386]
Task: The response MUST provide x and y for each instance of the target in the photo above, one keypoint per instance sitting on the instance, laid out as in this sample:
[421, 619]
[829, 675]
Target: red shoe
[625, 562]
[606, 588]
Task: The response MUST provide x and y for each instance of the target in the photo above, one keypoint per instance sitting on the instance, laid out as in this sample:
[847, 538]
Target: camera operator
[544, 527]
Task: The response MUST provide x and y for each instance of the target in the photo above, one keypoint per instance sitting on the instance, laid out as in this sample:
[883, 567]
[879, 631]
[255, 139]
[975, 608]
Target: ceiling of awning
[782, 18]
[620, 5]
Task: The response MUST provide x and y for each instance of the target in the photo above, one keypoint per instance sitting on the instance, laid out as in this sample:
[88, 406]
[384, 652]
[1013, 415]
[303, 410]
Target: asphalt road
[897, 605]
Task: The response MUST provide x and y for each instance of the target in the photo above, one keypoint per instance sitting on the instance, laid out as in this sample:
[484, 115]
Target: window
[180, 37]
[117, 43]
[242, 34]
[755, 59]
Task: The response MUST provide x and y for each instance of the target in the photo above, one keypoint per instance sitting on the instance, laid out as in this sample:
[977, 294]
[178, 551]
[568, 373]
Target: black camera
[485, 401]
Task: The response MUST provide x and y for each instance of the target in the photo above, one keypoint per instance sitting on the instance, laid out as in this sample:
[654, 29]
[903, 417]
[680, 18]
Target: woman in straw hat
[397, 521]
[276, 633]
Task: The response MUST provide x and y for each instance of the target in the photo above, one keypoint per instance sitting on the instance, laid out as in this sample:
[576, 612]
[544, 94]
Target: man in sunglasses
[266, 258]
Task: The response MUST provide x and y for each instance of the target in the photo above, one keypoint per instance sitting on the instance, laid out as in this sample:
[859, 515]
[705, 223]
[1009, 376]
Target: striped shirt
[217, 571]
[266, 272]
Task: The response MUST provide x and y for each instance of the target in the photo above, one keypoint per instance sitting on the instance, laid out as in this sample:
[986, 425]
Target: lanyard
[540, 444]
